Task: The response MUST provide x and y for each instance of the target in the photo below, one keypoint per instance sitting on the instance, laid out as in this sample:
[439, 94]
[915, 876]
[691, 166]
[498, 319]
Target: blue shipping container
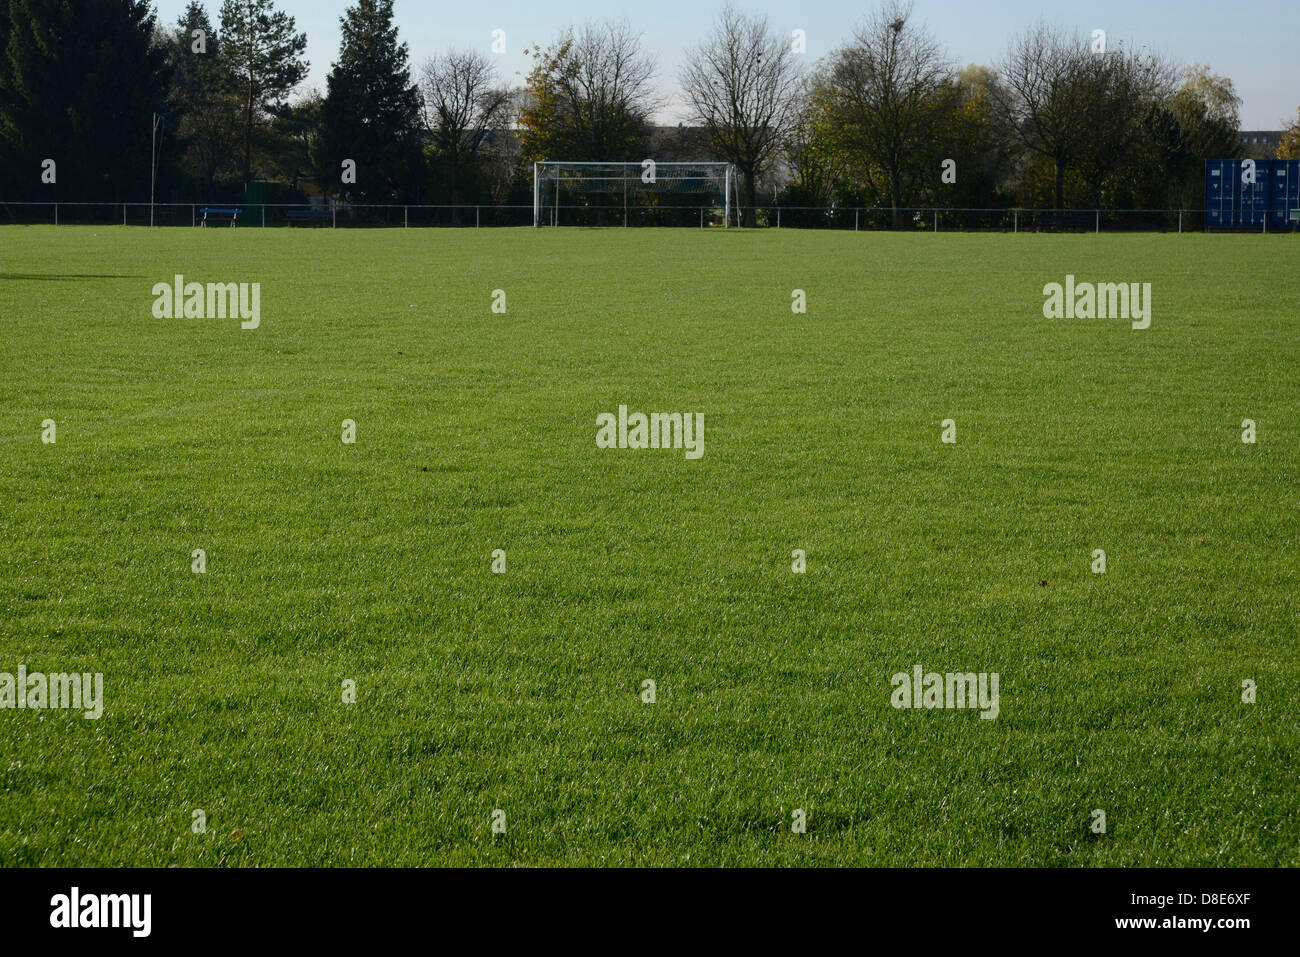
[1233, 203]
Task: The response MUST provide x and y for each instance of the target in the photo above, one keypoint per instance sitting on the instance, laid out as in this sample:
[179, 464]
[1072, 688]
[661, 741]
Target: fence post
[701, 217]
[193, 216]
[406, 217]
[778, 217]
[477, 218]
[56, 214]
[264, 215]
[335, 223]
[1180, 220]
[855, 220]
[1098, 221]
[936, 220]
[124, 214]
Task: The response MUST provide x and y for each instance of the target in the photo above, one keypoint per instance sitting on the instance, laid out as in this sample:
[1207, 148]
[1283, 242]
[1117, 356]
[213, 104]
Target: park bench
[220, 211]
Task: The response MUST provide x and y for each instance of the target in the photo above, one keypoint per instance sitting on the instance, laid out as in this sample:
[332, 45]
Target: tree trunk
[455, 191]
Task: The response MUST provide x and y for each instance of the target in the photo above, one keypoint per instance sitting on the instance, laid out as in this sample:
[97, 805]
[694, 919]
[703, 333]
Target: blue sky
[1255, 43]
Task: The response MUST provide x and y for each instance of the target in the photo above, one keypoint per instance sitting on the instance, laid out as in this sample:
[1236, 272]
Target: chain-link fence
[764, 217]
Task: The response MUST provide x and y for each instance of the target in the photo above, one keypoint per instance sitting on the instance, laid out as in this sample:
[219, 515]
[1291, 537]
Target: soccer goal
[627, 193]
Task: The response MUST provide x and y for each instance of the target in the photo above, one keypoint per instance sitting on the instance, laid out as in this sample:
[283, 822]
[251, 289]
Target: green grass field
[476, 431]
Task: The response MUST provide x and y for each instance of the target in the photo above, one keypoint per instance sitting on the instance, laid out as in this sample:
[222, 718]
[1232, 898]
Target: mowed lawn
[521, 691]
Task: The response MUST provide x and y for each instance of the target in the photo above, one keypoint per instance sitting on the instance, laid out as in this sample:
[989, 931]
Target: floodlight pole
[153, 163]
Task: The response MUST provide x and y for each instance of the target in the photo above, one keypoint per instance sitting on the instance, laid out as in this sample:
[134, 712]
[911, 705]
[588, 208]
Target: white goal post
[620, 187]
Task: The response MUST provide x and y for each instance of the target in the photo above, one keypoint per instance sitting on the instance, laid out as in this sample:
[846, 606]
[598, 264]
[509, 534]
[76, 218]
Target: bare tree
[886, 86]
[742, 84]
[1043, 98]
[499, 154]
[590, 96]
[1122, 90]
[1079, 107]
[463, 104]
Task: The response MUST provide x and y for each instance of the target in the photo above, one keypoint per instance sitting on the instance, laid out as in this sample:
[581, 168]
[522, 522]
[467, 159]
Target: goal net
[625, 194]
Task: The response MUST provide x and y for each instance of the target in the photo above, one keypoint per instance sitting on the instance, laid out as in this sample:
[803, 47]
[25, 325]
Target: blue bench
[219, 211]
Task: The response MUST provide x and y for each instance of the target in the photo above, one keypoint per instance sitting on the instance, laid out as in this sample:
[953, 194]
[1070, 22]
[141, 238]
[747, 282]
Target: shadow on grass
[52, 277]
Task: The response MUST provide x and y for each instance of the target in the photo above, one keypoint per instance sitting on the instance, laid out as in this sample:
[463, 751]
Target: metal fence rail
[920, 219]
